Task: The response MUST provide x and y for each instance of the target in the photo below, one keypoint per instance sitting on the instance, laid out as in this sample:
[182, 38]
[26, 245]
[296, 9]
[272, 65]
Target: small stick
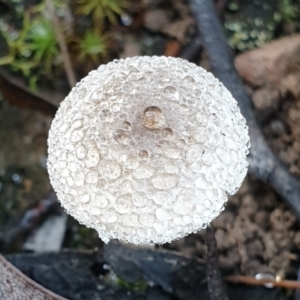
[288, 284]
[192, 50]
[62, 44]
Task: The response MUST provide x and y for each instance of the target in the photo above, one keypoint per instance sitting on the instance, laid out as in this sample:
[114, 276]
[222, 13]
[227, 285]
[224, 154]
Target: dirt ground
[256, 232]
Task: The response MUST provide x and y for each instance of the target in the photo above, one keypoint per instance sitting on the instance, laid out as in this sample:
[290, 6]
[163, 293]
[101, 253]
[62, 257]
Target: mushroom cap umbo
[146, 149]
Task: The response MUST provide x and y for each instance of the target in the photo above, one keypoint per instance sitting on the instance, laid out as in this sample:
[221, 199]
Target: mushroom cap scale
[146, 149]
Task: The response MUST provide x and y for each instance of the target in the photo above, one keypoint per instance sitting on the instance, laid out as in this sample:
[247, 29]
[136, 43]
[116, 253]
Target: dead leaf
[172, 48]
[14, 285]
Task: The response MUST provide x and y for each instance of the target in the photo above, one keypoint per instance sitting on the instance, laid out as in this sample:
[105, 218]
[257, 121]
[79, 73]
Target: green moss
[33, 50]
[247, 30]
[42, 44]
[101, 9]
[288, 11]
[138, 286]
[249, 33]
[91, 48]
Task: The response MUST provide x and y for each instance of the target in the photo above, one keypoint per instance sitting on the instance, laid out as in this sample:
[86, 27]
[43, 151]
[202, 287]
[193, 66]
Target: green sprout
[92, 48]
[32, 49]
[42, 43]
[18, 48]
[99, 9]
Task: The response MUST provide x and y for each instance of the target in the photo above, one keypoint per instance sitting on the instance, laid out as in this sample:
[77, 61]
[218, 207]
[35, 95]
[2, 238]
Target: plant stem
[62, 44]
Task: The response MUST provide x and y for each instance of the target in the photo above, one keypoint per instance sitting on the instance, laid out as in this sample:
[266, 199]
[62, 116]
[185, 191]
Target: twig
[263, 164]
[287, 284]
[192, 50]
[214, 280]
[19, 95]
[68, 18]
[62, 44]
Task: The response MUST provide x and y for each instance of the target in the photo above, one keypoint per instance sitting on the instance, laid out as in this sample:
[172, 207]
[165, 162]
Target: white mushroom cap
[146, 149]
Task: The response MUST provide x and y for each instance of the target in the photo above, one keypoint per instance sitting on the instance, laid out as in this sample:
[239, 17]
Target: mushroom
[146, 149]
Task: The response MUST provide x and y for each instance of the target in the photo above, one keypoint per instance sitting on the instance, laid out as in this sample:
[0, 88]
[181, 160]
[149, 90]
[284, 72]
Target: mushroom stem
[213, 275]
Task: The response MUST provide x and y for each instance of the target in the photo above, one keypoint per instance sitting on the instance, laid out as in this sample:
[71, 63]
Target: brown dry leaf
[172, 48]
[14, 285]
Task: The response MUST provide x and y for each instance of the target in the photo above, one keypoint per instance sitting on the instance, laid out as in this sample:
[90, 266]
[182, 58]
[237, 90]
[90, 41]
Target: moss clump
[258, 22]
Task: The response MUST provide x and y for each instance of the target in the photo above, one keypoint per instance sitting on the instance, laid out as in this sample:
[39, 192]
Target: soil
[256, 232]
